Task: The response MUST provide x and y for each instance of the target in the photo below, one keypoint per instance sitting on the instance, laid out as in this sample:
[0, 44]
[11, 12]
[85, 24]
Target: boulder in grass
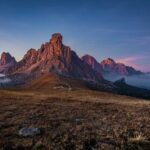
[28, 132]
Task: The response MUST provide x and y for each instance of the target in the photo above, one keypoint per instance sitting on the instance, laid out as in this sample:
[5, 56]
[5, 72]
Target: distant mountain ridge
[110, 67]
[114, 68]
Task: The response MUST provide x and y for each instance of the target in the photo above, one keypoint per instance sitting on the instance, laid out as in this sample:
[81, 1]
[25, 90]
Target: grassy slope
[77, 119]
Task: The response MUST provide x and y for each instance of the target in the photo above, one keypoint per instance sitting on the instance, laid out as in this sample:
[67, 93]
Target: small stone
[25, 132]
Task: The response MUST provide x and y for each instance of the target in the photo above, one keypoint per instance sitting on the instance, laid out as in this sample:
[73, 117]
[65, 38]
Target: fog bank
[2, 75]
[4, 79]
[142, 81]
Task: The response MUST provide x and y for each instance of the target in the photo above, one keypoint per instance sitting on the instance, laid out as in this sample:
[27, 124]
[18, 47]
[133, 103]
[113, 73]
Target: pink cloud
[133, 61]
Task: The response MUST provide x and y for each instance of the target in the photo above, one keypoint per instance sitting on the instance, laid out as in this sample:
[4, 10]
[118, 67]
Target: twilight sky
[102, 28]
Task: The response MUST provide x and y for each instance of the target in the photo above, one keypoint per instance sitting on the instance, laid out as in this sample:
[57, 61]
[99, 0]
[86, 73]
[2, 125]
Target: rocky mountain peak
[31, 56]
[6, 58]
[55, 57]
[90, 60]
[112, 67]
[108, 61]
[6, 62]
[56, 37]
[87, 56]
[31, 53]
[56, 41]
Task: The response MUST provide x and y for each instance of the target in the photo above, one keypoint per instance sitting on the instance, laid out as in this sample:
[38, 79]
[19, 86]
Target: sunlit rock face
[109, 65]
[54, 56]
[56, 42]
[31, 57]
[6, 62]
[28, 60]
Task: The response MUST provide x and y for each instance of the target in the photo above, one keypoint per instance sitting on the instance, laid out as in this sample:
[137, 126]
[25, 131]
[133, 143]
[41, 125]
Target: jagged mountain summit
[110, 67]
[6, 62]
[55, 57]
[113, 68]
[90, 60]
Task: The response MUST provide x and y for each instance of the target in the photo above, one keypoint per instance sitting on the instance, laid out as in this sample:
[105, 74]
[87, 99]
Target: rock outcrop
[6, 62]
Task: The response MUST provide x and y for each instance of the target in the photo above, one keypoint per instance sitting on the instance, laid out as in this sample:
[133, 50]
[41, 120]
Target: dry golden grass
[77, 119]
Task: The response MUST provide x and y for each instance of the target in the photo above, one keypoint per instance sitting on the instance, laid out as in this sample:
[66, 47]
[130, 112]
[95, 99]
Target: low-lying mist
[2, 75]
[142, 81]
[4, 79]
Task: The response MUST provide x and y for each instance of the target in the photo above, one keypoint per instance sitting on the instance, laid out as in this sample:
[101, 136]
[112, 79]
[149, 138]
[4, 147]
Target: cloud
[131, 59]
[134, 61]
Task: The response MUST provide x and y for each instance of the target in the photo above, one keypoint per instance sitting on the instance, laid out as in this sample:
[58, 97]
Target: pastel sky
[119, 29]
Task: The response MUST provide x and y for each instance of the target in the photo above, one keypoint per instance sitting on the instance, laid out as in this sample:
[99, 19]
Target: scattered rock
[79, 121]
[25, 132]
